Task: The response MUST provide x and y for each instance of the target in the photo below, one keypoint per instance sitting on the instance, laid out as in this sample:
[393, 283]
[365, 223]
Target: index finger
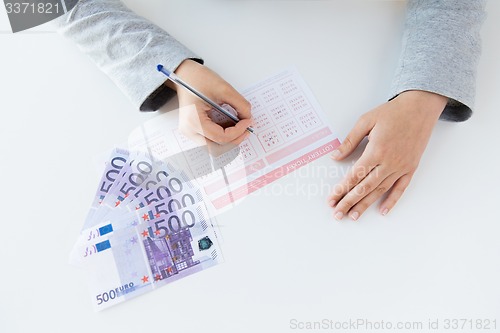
[357, 173]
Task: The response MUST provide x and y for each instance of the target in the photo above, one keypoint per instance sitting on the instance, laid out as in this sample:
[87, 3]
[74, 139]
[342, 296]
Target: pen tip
[159, 68]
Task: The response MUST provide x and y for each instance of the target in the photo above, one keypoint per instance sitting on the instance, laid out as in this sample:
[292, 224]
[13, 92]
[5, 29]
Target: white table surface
[435, 256]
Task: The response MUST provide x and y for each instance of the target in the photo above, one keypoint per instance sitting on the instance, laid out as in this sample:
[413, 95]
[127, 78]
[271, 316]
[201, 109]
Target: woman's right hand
[218, 90]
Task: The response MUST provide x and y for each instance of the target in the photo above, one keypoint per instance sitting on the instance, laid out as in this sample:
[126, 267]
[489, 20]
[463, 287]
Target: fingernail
[385, 211]
[336, 154]
[355, 216]
[332, 203]
[339, 215]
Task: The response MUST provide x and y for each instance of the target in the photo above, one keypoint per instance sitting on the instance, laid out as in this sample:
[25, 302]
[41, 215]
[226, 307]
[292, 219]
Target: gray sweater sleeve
[440, 52]
[126, 47]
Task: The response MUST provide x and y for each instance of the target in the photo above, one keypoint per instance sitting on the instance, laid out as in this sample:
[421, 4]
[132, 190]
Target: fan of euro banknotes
[152, 221]
[148, 226]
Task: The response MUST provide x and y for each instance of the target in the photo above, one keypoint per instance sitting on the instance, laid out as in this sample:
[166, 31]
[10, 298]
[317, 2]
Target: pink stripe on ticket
[268, 178]
[234, 177]
[304, 142]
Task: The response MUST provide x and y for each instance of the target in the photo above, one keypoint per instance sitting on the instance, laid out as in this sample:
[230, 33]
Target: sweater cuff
[160, 94]
[440, 53]
[127, 48]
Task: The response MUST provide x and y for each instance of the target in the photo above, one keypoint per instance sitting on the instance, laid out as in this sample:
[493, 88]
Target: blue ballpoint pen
[174, 78]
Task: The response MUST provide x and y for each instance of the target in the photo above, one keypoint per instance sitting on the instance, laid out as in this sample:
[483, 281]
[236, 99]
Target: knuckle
[347, 203]
[366, 188]
[359, 190]
[347, 144]
[361, 207]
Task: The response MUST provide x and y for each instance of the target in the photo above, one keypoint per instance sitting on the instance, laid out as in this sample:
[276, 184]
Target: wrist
[425, 103]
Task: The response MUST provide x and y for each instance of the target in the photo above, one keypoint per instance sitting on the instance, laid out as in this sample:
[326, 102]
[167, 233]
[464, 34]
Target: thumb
[361, 129]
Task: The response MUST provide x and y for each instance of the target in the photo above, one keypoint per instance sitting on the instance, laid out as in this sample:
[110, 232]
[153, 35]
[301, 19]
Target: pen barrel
[207, 100]
[174, 78]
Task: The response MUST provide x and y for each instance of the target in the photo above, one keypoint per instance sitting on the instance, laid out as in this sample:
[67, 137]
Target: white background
[435, 256]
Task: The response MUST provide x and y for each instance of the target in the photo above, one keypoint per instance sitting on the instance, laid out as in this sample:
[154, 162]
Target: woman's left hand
[398, 132]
